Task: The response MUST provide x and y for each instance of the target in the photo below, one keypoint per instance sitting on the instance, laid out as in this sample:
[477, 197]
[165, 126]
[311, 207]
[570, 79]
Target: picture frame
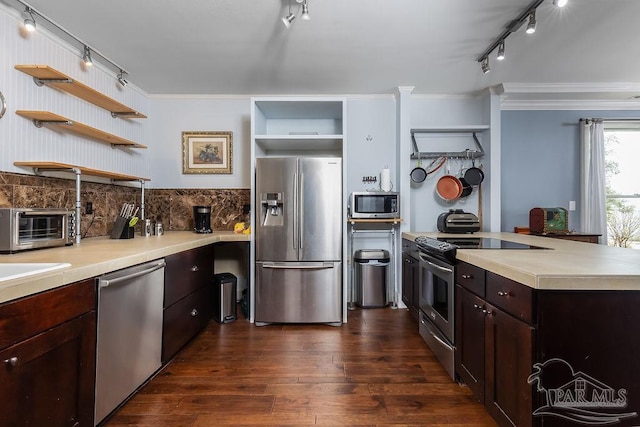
[206, 152]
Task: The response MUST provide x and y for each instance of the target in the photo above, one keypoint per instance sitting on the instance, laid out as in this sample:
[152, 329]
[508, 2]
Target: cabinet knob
[477, 307]
[467, 276]
[487, 312]
[194, 268]
[194, 312]
[12, 361]
[504, 294]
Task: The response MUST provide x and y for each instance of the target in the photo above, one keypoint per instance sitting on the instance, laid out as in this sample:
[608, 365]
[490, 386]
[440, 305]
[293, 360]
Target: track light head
[560, 3]
[287, 20]
[305, 11]
[531, 26]
[484, 65]
[29, 19]
[500, 55]
[86, 56]
[121, 78]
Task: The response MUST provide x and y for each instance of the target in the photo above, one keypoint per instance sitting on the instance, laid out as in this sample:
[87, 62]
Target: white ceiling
[588, 49]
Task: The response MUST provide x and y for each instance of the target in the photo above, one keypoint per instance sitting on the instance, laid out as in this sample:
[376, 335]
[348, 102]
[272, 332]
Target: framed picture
[207, 152]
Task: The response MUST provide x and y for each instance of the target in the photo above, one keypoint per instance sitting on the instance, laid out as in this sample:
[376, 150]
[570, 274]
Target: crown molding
[568, 104]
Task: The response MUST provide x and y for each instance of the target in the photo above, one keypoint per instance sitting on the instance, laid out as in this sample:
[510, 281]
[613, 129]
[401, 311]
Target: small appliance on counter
[202, 219]
[549, 221]
[374, 205]
[458, 221]
[35, 228]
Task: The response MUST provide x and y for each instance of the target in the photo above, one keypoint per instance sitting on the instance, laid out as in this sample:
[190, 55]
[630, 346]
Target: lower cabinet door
[47, 380]
[508, 364]
[183, 320]
[470, 341]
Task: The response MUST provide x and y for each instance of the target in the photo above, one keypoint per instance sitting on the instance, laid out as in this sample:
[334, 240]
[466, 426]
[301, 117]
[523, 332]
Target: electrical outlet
[572, 205]
[88, 209]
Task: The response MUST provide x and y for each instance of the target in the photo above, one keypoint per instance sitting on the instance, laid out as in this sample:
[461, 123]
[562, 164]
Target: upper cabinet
[298, 126]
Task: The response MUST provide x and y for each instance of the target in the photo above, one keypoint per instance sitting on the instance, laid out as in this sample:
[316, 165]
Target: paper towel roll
[385, 180]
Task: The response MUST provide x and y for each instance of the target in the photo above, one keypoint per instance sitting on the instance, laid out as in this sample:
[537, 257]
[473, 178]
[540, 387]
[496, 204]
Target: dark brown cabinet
[47, 350]
[410, 286]
[495, 345]
[188, 297]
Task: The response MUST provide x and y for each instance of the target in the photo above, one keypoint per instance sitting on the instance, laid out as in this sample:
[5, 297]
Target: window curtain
[594, 210]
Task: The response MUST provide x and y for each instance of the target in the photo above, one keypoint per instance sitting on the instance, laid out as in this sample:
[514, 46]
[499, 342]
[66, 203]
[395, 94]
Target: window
[622, 171]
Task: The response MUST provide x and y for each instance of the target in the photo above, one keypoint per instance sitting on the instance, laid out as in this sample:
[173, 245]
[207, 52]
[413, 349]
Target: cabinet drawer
[184, 319]
[186, 272]
[31, 315]
[471, 277]
[513, 297]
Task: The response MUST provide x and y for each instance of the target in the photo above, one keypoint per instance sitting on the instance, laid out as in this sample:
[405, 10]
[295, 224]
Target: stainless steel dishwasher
[129, 338]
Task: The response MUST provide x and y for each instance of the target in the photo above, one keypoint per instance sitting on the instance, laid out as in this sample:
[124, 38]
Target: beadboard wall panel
[22, 141]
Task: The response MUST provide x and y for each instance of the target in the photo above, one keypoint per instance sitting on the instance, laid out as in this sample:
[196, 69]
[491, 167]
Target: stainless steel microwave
[26, 228]
[374, 204]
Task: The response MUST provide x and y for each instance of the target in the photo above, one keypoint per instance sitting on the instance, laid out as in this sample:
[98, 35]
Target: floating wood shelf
[64, 167]
[43, 74]
[41, 118]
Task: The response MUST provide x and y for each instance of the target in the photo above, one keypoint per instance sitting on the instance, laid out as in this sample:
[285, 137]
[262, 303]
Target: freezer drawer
[298, 292]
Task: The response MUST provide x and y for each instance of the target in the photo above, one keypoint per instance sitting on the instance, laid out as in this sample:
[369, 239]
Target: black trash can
[224, 309]
[371, 277]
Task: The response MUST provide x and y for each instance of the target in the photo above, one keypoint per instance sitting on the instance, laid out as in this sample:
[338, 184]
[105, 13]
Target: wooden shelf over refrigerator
[44, 74]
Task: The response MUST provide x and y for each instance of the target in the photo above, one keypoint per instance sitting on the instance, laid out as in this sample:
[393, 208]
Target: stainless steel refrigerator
[298, 240]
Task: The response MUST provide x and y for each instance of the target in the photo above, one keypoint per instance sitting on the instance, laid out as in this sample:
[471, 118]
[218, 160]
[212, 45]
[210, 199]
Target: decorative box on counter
[549, 221]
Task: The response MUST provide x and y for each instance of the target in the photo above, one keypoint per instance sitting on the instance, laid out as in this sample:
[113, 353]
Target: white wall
[22, 141]
[171, 115]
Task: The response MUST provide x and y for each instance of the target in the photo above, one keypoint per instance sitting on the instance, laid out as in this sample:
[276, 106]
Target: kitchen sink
[11, 271]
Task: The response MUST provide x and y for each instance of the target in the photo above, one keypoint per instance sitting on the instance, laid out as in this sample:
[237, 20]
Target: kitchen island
[548, 336]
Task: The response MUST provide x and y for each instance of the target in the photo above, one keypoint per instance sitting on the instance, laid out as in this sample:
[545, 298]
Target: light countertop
[569, 265]
[100, 255]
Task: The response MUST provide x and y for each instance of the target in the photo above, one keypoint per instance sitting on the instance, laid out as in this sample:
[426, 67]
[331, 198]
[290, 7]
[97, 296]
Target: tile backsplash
[173, 207]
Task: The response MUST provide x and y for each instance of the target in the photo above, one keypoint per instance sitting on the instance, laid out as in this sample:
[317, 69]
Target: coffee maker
[202, 219]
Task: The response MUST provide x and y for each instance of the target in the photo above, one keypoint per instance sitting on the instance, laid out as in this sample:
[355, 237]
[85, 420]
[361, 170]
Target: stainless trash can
[371, 277]
[224, 309]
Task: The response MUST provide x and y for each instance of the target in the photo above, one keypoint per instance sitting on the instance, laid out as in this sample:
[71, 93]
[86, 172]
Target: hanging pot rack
[466, 154]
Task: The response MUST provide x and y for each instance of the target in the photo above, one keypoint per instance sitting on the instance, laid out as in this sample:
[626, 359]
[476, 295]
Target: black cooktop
[485, 243]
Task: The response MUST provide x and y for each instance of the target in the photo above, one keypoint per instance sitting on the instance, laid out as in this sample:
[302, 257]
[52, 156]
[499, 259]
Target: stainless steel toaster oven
[34, 228]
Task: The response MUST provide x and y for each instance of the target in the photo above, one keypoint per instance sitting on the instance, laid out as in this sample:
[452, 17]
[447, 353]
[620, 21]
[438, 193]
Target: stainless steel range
[437, 284]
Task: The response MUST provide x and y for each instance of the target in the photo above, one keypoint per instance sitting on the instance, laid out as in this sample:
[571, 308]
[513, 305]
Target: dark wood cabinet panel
[48, 379]
[470, 344]
[23, 318]
[410, 286]
[513, 297]
[184, 319]
[508, 364]
[186, 272]
[471, 277]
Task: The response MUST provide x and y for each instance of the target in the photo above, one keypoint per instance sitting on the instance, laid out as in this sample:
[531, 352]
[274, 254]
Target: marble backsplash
[173, 207]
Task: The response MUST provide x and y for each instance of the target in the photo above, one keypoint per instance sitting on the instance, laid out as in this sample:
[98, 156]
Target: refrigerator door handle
[295, 211]
[322, 266]
[301, 212]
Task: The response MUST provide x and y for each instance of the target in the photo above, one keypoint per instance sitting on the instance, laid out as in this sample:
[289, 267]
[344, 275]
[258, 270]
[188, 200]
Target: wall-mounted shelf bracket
[39, 123]
[42, 82]
[466, 154]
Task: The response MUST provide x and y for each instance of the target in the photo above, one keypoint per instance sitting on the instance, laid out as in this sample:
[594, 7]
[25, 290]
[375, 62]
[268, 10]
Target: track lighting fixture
[86, 56]
[560, 3]
[305, 11]
[287, 20]
[121, 78]
[29, 19]
[500, 55]
[485, 65]
[531, 26]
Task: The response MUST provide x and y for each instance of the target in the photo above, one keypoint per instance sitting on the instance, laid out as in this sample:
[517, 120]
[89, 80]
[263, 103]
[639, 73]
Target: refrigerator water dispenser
[272, 209]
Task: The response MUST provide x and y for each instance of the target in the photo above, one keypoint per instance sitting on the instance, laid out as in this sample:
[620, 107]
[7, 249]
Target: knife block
[127, 233]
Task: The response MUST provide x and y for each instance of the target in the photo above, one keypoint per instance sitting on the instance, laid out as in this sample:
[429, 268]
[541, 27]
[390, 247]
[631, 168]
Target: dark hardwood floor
[374, 370]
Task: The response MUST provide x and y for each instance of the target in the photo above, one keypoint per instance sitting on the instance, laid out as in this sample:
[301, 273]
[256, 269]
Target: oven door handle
[437, 338]
[436, 266]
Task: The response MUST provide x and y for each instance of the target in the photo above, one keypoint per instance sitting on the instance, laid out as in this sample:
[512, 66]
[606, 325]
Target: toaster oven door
[33, 229]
